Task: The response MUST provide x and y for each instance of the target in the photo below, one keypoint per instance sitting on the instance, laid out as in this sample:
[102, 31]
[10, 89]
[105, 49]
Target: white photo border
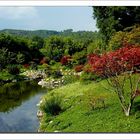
[69, 136]
[70, 3]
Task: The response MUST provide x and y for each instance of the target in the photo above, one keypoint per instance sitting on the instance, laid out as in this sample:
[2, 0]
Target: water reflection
[18, 106]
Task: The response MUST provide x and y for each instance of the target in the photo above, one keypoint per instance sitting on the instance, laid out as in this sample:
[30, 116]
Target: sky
[48, 18]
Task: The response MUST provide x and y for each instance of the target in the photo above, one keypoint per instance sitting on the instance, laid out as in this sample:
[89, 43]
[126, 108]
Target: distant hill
[28, 33]
[47, 33]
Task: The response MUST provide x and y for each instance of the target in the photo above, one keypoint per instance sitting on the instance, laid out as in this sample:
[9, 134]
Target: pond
[18, 106]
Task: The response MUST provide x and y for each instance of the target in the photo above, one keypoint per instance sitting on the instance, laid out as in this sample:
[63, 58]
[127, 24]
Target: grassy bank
[89, 108]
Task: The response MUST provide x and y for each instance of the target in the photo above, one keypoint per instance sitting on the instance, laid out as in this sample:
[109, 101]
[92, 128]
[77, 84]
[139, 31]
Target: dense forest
[25, 47]
[46, 33]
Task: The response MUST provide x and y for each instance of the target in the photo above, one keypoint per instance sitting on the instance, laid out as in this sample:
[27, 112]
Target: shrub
[13, 69]
[117, 61]
[44, 60]
[80, 57]
[26, 66]
[52, 62]
[130, 35]
[33, 65]
[52, 105]
[78, 68]
[96, 102]
[70, 79]
[87, 77]
[65, 60]
[87, 68]
[56, 73]
[96, 46]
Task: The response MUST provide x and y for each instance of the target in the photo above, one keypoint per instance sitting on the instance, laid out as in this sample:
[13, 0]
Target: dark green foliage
[17, 50]
[39, 41]
[111, 19]
[80, 57]
[40, 33]
[13, 69]
[56, 73]
[80, 35]
[33, 65]
[6, 58]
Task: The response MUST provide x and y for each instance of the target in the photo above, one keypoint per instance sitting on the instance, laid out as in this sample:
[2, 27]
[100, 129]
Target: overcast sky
[49, 18]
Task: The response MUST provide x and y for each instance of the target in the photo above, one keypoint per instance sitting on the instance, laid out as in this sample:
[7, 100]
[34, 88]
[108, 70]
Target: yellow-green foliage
[96, 46]
[133, 36]
[116, 40]
[130, 35]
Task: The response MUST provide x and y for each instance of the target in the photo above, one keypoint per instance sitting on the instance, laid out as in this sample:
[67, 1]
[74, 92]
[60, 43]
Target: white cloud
[16, 13]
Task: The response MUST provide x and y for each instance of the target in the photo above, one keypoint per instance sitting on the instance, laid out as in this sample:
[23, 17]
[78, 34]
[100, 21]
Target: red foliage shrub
[116, 62]
[87, 68]
[78, 68]
[43, 60]
[65, 60]
[26, 66]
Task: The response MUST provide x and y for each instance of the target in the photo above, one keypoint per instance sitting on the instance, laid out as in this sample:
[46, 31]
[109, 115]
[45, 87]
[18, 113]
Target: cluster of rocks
[51, 84]
[35, 74]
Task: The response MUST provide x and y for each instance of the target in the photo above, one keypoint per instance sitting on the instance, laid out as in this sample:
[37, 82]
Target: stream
[18, 107]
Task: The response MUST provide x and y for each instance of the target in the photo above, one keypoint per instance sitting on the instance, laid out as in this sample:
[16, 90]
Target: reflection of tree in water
[13, 94]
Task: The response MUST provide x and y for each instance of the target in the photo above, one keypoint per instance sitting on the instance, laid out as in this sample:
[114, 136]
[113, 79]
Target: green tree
[6, 57]
[111, 19]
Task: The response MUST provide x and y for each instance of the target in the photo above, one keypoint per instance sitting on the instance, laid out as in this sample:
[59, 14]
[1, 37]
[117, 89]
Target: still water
[18, 106]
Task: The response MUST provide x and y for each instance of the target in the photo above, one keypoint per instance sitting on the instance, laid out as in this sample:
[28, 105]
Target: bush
[87, 77]
[65, 60]
[68, 79]
[80, 57]
[97, 46]
[130, 35]
[116, 41]
[33, 65]
[79, 68]
[13, 69]
[44, 60]
[56, 73]
[96, 102]
[52, 104]
[52, 62]
[87, 68]
[116, 62]
[26, 66]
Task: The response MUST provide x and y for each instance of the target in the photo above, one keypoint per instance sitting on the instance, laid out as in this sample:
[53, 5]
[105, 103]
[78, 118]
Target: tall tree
[111, 19]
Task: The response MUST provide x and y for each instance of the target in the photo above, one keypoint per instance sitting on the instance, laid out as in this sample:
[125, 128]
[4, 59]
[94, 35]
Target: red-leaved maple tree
[118, 67]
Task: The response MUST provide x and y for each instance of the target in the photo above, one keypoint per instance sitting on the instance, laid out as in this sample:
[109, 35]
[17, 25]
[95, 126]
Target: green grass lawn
[78, 115]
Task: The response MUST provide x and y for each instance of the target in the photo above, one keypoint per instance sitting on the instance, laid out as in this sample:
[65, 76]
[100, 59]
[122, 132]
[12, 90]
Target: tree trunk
[128, 109]
[127, 112]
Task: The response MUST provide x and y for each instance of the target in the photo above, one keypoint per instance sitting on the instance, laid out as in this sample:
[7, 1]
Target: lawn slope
[79, 115]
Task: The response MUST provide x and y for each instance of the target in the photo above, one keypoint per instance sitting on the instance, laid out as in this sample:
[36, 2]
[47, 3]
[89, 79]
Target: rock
[50, 122]
[56, 131]
[38, 104]
[56, 82]
[39, 113]
[15, 80]
[39, 130]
